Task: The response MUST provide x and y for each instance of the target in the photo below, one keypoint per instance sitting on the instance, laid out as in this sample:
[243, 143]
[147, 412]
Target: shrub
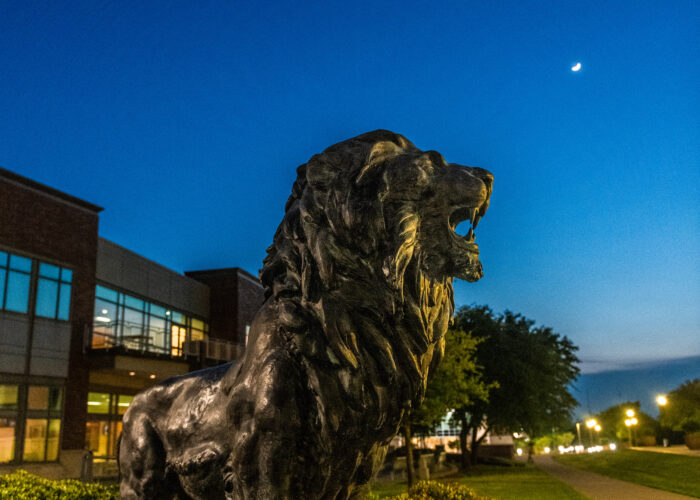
[21, 485]
[433, 490]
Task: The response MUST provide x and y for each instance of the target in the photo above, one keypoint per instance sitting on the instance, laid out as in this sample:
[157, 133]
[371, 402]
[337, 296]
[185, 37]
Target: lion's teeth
[470, 235]
[472, 214]
[476, 221]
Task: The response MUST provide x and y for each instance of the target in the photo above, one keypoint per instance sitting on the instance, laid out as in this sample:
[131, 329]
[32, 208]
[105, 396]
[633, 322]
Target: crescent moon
[576, 67]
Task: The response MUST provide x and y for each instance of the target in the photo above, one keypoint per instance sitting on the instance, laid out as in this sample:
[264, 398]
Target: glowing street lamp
[597, 428]
[591, 423]
[630, 413]
[661, 400]
[629, 423]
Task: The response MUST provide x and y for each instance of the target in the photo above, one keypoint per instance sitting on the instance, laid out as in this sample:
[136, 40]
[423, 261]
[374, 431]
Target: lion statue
[359, 295]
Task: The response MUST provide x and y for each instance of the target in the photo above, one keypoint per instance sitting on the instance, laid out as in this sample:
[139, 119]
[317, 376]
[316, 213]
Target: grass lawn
[677, 473]
[506, 483]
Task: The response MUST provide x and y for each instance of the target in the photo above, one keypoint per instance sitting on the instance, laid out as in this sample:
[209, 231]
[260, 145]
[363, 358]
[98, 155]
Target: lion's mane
[348, 254]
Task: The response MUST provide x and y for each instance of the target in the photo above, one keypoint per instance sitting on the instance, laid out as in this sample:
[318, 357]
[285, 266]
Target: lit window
[35, 439]
[7, 438]
[102, 431]
[38, 398]
[124, 402]
[98, 402]
[8, 397]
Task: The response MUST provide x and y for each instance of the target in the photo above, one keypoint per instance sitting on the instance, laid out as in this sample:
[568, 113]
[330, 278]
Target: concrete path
[679, 449]
[600, 487]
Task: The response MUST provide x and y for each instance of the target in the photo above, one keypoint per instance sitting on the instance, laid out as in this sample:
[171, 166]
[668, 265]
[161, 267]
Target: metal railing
[213, 349]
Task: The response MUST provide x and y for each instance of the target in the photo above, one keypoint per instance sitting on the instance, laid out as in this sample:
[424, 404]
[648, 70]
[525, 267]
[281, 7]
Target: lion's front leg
[268, 411]
[142, 462]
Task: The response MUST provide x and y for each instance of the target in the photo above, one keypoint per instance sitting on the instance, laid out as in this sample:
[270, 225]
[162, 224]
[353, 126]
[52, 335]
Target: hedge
[433, 490]
[21, 485]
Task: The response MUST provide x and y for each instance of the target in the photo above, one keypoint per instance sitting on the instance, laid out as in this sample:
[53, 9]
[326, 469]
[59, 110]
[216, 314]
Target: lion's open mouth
[462, 214]
[466, 262]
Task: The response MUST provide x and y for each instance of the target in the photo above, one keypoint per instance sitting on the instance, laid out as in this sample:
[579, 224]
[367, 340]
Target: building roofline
[44, 189]
[224, 269]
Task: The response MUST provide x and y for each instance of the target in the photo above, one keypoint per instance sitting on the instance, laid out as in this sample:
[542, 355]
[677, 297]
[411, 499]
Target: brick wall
[235, 297]
[43, 223]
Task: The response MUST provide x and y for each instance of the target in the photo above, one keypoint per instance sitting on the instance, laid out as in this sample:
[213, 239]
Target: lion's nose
[485, 176]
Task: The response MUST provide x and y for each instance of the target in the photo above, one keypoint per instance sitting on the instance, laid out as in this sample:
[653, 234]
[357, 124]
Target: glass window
[178, 317]
[133, 302]
[178, 335]
[158, 311]
[20, 263]
[156, 333]
[3, 273]
[49, 271]
[8, 397]
[98, 402]
[55, 398]
[106, 293]
[17, 292]
[124, 402]
[35, 440]
[3, 259]
[133, 323]
[46, 298]
[38, 398]
[53, 296]
[197, 329]
[97, 437]
[66, 275]
[52, 441]
[7, 439]
[64, 302]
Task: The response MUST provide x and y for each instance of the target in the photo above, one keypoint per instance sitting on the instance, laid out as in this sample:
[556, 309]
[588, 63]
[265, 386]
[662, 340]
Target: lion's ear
[380, 152]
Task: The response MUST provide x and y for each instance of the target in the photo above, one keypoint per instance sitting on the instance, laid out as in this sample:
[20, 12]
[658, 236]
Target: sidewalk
[679, 449]
[600, 487]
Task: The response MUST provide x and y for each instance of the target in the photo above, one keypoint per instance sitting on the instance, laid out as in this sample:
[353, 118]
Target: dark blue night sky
[186, 121]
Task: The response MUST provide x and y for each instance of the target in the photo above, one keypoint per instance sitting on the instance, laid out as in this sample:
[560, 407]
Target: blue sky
[186, 121]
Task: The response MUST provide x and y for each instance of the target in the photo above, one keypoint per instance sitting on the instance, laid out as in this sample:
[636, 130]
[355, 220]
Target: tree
[455, 382]
[533, 367]
[612, 422]
[682, 413]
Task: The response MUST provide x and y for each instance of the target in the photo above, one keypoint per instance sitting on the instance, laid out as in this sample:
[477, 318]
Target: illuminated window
[103, 427]
[8, 397]
[125, 321]
[35, 439]
[33, 412]
[197, 329]
[123, 404]
[178, 335]
[98, 402]
[8, 421]
[7, 438]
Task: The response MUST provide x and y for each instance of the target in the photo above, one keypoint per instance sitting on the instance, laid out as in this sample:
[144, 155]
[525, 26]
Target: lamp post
[578, 431]
[591, 423]
[629, 423]
[597, 430]
[662, 401]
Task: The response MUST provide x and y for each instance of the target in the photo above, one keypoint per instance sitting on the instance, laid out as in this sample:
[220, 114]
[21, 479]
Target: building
[86, 324]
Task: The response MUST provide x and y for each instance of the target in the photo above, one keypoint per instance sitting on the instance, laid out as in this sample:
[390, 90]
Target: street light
[597, 429]
[630, 413]
[661, 400]
[591, 423]
[629, 423]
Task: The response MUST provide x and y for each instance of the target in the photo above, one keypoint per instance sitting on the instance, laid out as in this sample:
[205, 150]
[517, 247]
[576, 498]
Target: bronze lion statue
[358, 297]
